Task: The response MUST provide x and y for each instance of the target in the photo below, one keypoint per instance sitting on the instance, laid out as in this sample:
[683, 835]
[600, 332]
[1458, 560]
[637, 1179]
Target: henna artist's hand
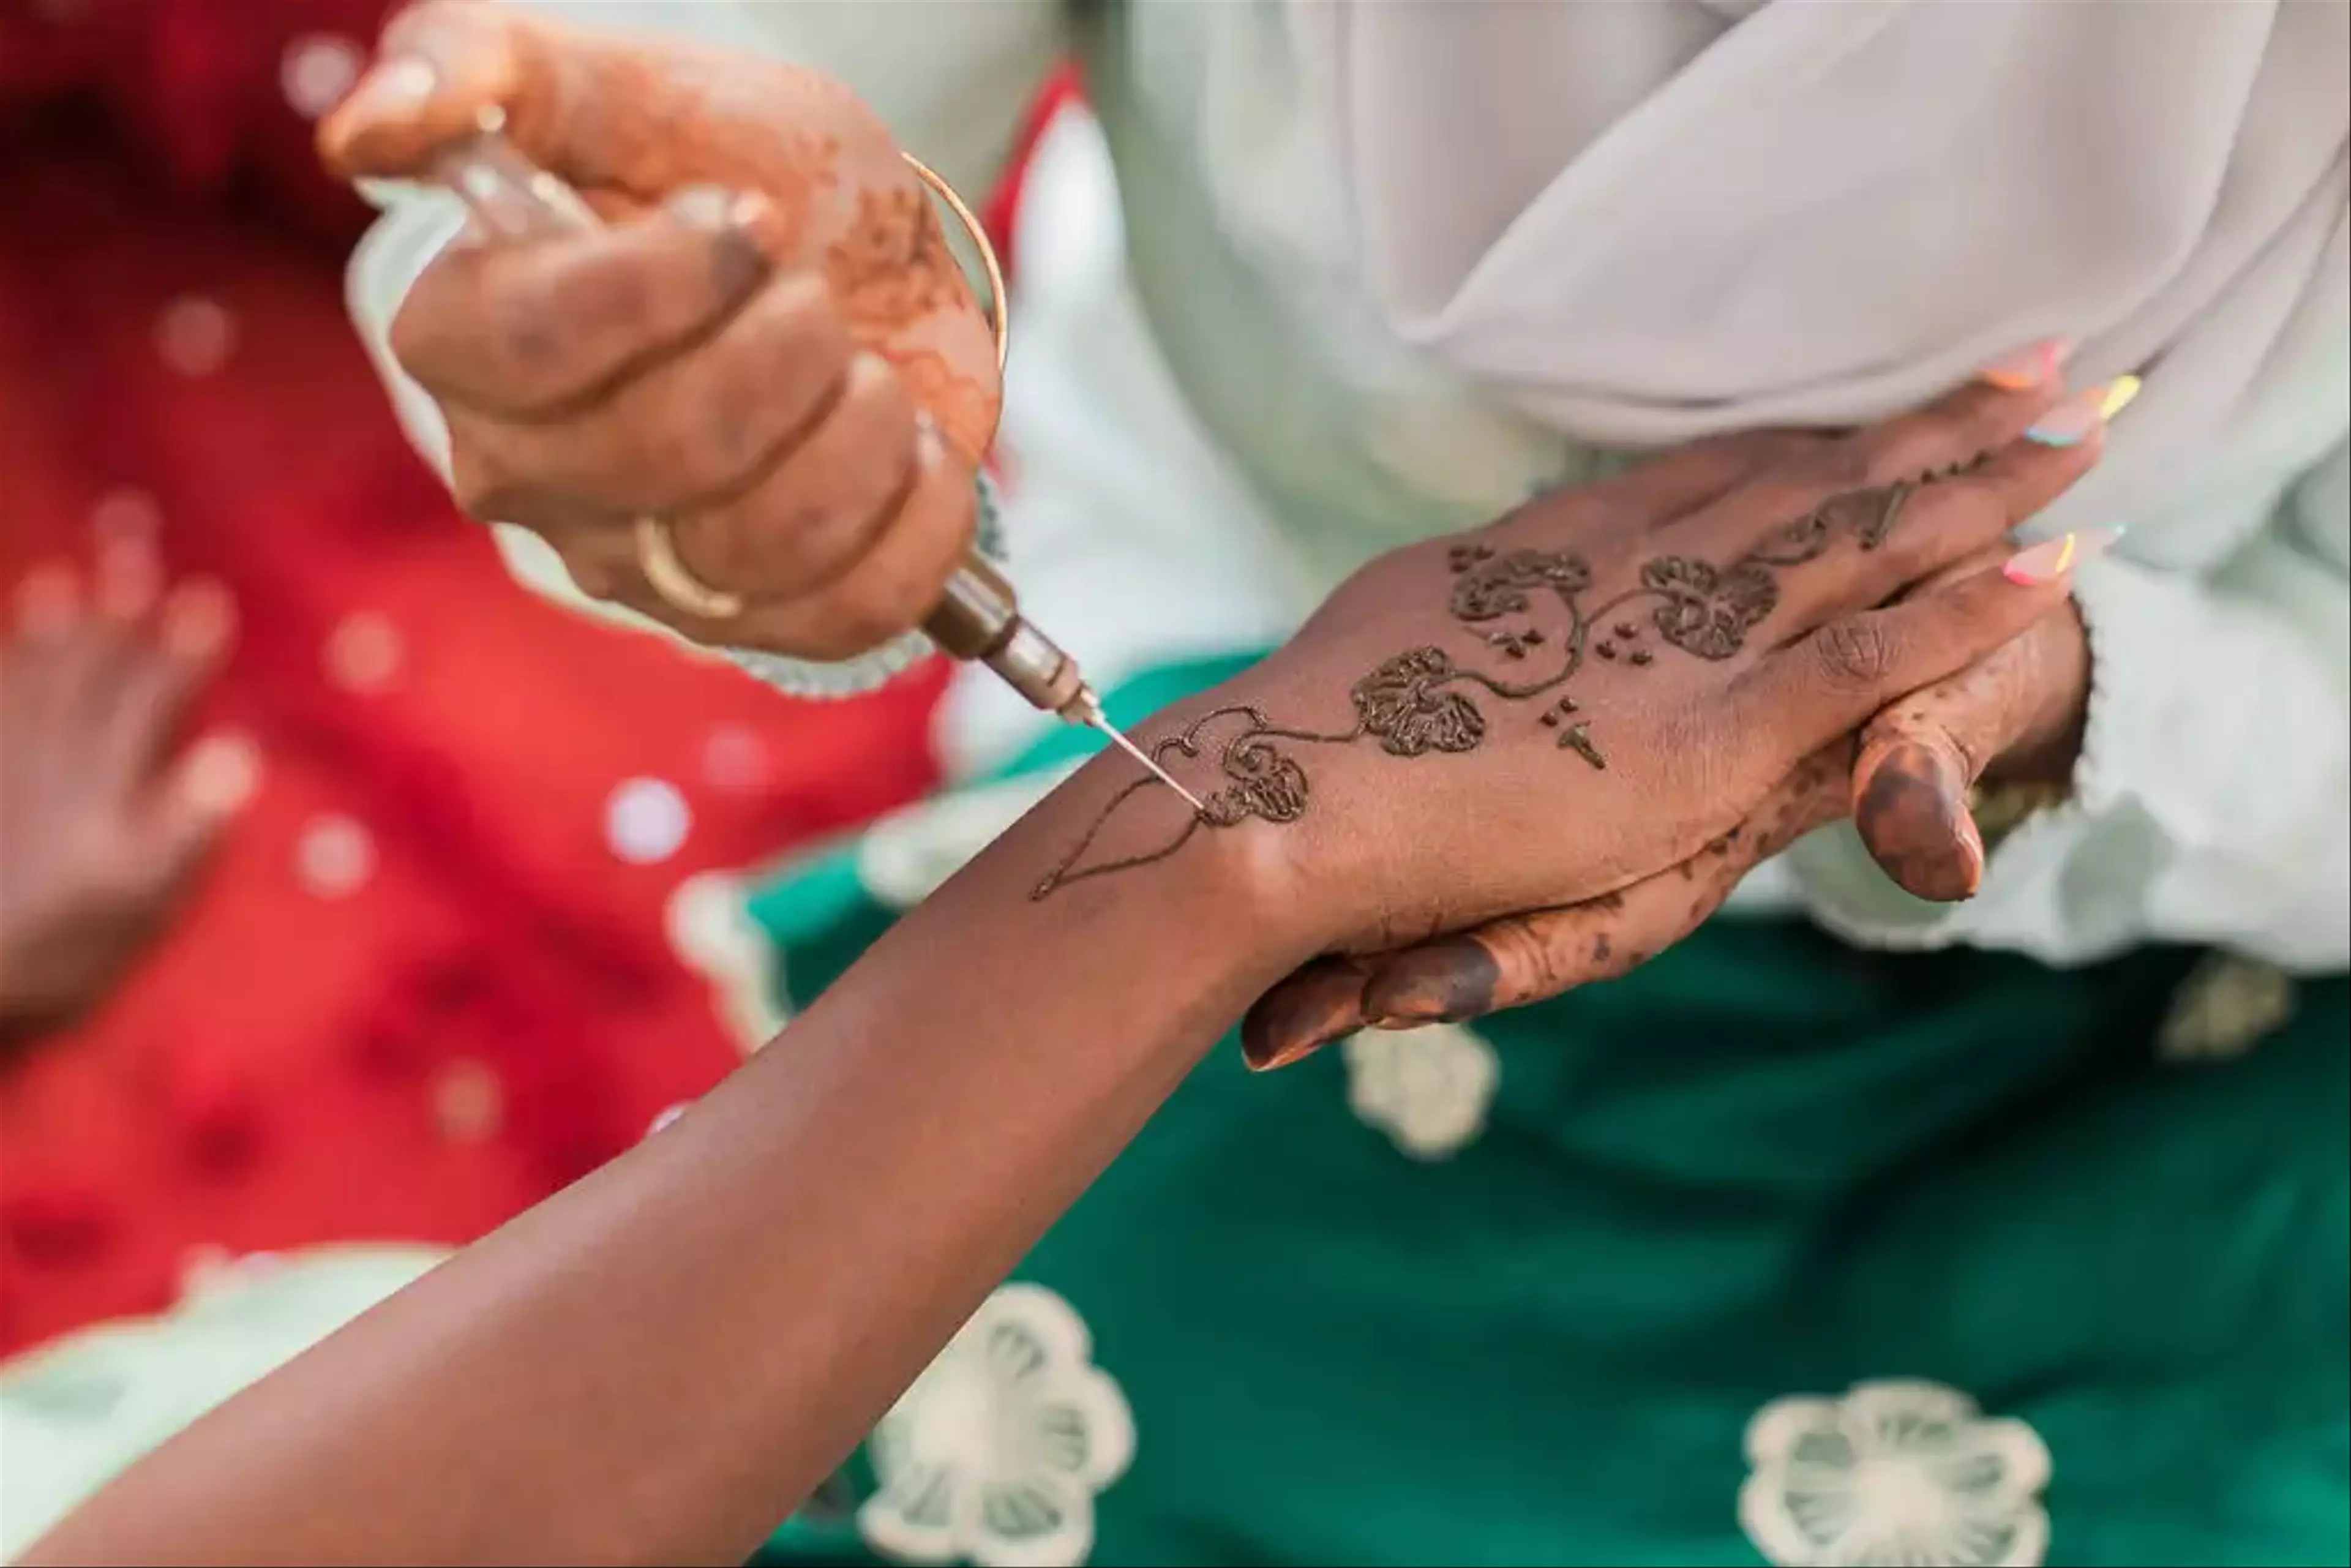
[102, 827]
[743, 354]
[1600, 686]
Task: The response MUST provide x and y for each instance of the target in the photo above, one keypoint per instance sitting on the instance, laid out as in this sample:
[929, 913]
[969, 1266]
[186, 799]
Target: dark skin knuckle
[1854, 655]
[1525, 958]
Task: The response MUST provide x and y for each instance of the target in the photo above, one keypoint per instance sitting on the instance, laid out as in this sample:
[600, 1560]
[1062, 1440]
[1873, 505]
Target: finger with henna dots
[1524, 958]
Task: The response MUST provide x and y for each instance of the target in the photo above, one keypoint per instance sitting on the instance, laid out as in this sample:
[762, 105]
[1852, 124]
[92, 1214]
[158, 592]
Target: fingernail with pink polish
[2084, 413]
[2028, 367]
[2052, 559]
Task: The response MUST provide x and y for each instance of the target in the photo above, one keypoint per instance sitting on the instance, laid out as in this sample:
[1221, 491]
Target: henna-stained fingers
[1532, 957]
[1834, 679]
[1940, 523]
[1671, 484]
[529, 329]
[1919, 757]
[1322, 1002]
[892, 585]
[595, 109]
[691, 433]
[1544, 952]
[829, 498]
[1954, 430]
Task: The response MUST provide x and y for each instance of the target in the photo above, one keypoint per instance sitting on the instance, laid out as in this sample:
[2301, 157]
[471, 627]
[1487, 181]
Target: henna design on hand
[892, 266]
[1420, 701]
[1265, 782]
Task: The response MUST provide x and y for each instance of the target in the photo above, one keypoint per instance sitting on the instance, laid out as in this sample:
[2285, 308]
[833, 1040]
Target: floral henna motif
[1265, 783]
[1489, 587]
[1401, 703]
[1870, 515]
[1412, 703]
[1710, 612]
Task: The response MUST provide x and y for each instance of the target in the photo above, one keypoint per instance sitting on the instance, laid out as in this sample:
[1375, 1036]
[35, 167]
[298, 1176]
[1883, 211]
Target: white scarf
[1642, 220]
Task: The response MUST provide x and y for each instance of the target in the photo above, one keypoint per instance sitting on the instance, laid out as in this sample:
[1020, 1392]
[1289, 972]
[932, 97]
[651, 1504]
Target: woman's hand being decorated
[2011, 721]
[1605, 686]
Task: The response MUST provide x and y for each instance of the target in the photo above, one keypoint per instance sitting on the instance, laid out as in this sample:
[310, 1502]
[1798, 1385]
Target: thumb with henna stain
[2014, 716]
[1910, 804]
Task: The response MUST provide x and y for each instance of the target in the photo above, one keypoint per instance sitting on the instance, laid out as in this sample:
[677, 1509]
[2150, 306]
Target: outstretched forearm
[657, 1364]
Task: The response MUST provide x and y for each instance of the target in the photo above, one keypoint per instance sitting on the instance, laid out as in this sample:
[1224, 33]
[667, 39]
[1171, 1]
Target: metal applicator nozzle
[979, 618]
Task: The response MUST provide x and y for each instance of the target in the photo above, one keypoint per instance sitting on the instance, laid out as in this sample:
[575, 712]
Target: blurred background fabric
[432, 977]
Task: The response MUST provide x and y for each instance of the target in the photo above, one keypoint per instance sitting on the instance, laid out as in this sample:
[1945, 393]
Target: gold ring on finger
[678, 587]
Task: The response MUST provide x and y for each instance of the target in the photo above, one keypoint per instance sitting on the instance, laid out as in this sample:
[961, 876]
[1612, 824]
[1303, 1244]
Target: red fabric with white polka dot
[427, 981]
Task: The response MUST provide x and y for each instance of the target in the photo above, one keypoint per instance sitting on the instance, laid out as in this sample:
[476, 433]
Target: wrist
[1109, 857]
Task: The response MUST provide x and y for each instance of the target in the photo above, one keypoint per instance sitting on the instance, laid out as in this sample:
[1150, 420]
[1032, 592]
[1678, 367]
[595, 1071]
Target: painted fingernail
[394, 87]
[2028, 367]
[2052, 559]
[2084, 413]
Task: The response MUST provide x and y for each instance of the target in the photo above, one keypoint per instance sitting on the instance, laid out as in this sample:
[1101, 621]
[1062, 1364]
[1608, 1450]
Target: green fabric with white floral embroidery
[1774, 1251]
